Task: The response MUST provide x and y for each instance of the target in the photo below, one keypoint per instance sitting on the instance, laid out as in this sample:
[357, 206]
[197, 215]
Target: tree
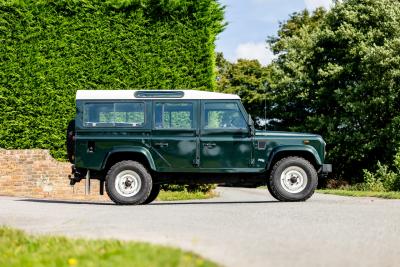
[337, 74]
[290, 82]
[246, 78]
[49, 49]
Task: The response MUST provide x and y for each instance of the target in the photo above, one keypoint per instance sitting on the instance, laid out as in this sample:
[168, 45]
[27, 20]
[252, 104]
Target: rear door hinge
[252, 162]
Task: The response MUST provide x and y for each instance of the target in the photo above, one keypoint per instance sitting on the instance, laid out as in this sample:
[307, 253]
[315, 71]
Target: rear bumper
[77, 175]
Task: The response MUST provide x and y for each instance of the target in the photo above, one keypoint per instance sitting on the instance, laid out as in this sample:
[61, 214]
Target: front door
[225, 143]
[174, 138]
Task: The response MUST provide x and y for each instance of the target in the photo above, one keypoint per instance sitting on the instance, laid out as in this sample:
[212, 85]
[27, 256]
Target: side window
[174, 115]
[123, 114]
[223, 116]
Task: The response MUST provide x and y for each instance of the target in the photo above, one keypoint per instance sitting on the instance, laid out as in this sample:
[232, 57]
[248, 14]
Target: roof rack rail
[159, 94]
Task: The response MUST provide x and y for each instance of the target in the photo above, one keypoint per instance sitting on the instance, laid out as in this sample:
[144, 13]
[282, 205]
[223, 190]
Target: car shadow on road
[51, 201]
[211, 202]
[157, 203]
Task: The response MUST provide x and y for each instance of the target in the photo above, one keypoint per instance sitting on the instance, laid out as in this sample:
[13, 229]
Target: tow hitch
[77, 175]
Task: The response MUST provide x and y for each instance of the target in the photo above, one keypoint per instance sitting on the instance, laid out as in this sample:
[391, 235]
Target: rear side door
[225, 142]
[174, 138]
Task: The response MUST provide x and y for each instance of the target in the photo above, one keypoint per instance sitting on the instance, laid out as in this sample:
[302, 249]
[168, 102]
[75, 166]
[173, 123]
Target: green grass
[183, 195]
[19, 249]
[354, 193]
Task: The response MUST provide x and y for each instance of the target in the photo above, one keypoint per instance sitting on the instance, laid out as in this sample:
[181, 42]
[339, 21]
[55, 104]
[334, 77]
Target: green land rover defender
[133, 141]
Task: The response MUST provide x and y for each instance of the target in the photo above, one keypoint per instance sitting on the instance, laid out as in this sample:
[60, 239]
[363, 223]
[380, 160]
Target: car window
[174, 115]
[124, 114]
[223, 116]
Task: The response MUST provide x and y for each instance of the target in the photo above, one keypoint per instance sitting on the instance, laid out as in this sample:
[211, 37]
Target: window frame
[241, 110]
[177, 101]
[144, 124]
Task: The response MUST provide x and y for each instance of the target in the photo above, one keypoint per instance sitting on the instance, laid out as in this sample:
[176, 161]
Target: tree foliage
[246, 78]
[337, 74]
[51, 48]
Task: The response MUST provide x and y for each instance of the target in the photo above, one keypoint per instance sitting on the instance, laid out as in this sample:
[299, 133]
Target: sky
[250, 22]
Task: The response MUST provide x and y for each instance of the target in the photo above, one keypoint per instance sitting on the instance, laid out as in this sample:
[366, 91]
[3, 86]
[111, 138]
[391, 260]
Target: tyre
[128, 183]
[155, 190]
[292, 179]
[70, 142]
[269, 188]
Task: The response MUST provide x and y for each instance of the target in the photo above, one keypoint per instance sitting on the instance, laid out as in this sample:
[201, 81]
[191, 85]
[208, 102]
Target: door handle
[161, 144]
[210, 145]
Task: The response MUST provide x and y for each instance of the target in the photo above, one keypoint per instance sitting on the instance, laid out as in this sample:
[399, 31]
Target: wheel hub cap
[294, 179]
[128, 183]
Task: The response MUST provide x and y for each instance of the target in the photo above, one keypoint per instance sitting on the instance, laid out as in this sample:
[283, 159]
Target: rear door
[225, 142]
[174, 138]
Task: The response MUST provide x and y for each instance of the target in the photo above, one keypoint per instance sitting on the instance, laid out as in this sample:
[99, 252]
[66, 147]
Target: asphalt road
[242, 227]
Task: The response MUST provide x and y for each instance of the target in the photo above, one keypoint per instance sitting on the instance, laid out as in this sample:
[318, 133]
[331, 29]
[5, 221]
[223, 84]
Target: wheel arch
[309, 153]
[139, 154]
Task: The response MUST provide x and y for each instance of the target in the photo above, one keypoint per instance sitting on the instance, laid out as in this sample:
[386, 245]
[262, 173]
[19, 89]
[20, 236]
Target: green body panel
[107, 144]
[277, 142]
[220, 151]
[194, 150]
[174, 150]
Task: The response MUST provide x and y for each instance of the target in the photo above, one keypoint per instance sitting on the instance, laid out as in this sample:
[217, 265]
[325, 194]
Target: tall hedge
[51, 48]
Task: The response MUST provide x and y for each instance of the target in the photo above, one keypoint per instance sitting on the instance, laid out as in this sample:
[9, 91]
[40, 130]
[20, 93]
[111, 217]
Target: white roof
[130, 94]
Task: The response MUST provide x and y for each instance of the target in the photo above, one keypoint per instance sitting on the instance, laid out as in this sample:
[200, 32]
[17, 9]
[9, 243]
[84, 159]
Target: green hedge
[51, 48]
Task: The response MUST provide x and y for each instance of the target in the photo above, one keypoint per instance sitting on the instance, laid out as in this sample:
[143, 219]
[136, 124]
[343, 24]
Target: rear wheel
[293, 179]
[128, 183]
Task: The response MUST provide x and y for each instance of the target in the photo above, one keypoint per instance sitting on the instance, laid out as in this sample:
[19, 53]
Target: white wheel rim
[128, 183]
[294, 179]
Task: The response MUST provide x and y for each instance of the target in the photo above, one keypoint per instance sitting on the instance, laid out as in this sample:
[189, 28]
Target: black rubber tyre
[269, 188]
[118, 190]
[153, 194]
[70, 142]
[297, 166]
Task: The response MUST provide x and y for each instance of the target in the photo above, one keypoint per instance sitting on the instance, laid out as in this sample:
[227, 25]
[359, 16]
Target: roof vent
[159, 94]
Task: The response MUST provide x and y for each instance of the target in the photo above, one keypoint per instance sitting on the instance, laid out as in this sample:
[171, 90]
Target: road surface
[242, 227]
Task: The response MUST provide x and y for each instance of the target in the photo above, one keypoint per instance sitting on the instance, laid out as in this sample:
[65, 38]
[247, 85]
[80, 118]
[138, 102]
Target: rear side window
[174, 116]
[108, 114]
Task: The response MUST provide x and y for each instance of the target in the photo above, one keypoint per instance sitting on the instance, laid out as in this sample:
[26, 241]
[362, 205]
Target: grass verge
[184, 195]
[353, 193]
[19, 249]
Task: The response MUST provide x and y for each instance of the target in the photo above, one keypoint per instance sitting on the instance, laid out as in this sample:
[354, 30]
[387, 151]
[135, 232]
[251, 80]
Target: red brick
[27, 172]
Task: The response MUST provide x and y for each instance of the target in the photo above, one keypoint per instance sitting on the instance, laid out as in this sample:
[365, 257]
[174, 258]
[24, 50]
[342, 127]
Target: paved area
[243, 227]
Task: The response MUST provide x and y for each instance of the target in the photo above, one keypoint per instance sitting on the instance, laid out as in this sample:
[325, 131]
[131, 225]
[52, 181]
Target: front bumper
[325, 170]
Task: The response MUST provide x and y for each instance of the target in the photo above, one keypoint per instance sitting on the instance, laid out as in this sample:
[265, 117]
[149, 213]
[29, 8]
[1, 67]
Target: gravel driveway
[242, 227]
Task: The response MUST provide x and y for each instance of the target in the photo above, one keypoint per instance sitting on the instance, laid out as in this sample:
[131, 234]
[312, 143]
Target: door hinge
[196, 162]
[252, 162]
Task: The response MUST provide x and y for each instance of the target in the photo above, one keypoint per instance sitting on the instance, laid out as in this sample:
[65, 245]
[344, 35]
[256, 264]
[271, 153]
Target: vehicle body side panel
[234, 152]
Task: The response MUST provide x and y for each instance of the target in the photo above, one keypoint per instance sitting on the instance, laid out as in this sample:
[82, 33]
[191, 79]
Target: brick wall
[35, 173]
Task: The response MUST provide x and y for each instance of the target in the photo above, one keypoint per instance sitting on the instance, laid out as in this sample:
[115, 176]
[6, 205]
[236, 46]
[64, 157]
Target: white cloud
[254, 51]
[313, 4]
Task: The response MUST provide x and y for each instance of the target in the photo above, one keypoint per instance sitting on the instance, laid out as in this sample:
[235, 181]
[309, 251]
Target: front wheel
[293, 179]
[128, 183]
[153, 194]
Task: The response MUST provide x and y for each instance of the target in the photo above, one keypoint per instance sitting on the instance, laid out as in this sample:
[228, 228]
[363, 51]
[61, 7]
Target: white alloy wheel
[294, 179]
[128, 183]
